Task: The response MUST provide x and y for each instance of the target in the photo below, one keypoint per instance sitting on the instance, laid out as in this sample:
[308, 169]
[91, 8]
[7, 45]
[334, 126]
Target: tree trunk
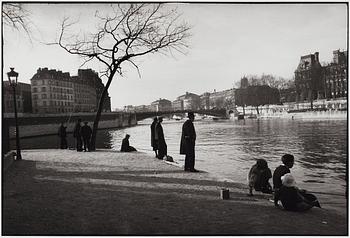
[99, 111]
[257, 110]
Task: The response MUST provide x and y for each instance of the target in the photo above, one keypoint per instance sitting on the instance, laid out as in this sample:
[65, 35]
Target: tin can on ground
[225, 194]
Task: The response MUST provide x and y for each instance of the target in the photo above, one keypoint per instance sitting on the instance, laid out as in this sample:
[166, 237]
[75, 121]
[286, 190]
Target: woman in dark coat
[154, 141]
[162, 146]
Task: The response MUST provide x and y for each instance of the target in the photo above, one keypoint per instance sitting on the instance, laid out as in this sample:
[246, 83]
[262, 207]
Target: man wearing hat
[188, 139]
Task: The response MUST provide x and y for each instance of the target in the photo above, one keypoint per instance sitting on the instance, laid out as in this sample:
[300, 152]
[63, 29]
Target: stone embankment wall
[35, 125]
[38, 125]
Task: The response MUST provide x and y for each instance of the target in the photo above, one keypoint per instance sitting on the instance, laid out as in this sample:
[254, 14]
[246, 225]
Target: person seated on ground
[288, 162]
[259, 176]
[292, 198]
[125, 145]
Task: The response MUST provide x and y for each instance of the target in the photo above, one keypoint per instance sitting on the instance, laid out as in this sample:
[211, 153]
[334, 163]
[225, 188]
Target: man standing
[86, 132]
[162, 147]
[62, 133]
[77, 135]
[154, 142]
[188, 139]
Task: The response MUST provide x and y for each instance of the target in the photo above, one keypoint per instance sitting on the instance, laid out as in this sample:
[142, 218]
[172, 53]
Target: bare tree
[129, 32]
[15, 16]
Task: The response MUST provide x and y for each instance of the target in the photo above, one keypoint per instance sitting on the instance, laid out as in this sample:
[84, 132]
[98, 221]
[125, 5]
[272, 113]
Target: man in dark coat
[62, 133]
[154, 142]
[77, 135]
[86, 132]
[126, 146]
[162, 146]
[188, 139]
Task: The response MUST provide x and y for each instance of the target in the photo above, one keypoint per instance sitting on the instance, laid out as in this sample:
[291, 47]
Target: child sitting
[259, 176]
[292, 198]
[288, 162]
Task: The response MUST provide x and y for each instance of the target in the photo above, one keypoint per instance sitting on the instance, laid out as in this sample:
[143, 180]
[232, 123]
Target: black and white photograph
[174, 118]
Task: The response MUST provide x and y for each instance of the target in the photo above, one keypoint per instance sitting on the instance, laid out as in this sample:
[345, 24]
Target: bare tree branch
[127, 32]
[16, 17]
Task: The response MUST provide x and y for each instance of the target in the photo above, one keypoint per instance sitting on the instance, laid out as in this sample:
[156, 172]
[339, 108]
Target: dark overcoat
[125, 145]
[76, 132]
[62, 131]
[188, 137]
[86, 131]
[154, 143]
[162, 146]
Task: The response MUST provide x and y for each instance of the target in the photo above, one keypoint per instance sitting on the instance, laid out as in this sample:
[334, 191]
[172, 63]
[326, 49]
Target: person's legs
[191, 158]
[311, 199]
[88, 143]
[62, 143]
[79, 144]
[303, 206]
[65, 146]
[131, 149]
[84, 143]
[187, 166]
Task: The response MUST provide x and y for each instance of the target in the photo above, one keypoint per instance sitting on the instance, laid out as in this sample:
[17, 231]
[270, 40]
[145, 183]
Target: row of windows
[61, 83]
[52, 82]
[53, 103]
[64, 90]
[54, 96]
[82, 102]
[64, 103]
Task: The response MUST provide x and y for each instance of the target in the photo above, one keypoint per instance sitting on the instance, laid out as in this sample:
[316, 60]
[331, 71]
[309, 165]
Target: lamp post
[13, 77]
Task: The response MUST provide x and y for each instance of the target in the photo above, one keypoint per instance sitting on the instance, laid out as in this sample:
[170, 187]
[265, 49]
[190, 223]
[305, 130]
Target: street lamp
[13, 76]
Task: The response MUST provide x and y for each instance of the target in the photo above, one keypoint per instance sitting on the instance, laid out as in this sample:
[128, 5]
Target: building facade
[142, 108]
[204, 101]
[161, 105]
[308, 78]
[314, 81]
[335, 76]
[178, 105]
[222, 99]
[58, 92]
[23, 98]
[93, 79]
[190, 101]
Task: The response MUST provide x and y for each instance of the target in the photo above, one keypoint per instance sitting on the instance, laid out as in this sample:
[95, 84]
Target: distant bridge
[213, 112]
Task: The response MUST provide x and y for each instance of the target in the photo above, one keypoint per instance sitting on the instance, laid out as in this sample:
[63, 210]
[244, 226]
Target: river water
[227, 149]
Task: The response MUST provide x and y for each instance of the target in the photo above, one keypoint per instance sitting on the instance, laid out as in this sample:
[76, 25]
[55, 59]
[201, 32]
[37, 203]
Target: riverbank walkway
[64, 192]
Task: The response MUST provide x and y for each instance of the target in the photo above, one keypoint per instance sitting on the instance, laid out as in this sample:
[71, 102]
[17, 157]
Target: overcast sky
[228, 41]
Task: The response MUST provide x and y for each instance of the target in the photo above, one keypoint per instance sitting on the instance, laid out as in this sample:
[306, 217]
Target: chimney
[316, 57]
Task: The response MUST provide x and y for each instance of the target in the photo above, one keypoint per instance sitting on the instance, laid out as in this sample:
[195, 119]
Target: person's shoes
[193, 170]
[186, 169]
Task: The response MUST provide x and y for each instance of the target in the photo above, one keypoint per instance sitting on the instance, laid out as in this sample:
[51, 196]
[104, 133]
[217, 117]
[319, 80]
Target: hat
[288, 180]
[190, 114]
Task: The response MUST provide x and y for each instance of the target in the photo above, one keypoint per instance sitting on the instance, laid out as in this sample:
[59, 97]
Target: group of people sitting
[284, 189]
